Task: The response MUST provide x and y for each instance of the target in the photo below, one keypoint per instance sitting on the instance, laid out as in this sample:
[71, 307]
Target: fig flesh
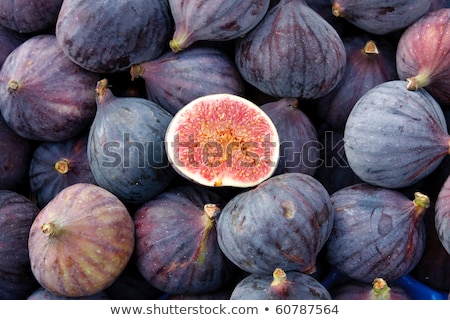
[223, 140]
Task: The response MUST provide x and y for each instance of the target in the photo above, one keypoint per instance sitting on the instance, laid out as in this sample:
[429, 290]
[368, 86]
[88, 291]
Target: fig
[442, 218]
[213, 21]
[125, 146]
[292, 53]
[281, 285]
[9, 40]
[176, 241]
[43, 95]
[175, 79]
[394, 137]
[17, 214]
[377, 290]
[57, 165]
[222, 140]
[299, 149]
[43, 294]
[106, 38]
[81, 241]
[283, 222]
[26, 16]
[370, 61]
[380, 17]
[377, 232]
[15, 159]
[423, 55]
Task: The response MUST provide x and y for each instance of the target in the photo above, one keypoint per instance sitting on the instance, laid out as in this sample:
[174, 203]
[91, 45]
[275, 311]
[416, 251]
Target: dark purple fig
[26, 16]
[16, 217]
[280, 285]
[439, 4]
[380, 17]
[175, 79]
[126, 146]
[85, 234]
[377, 290]
[292, 53]
[395, 137]
[377, 232]
[442, 218]
[283, 222]
[56, 165]
[9, 40]
[213, 20]
[14, 159]
[323, 7]
[423, 55]
[43, 294]
[299, 150]
[176, 241]
[106, 38]
[370, 62]
[43, 95]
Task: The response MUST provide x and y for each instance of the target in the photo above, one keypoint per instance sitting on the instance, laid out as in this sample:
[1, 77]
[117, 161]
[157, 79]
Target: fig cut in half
[223, 140]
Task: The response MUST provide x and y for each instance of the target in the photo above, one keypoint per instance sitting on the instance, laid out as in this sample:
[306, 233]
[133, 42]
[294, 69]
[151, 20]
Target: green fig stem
[49, 229]
[421, 202]
[380, 289]
[211, 212]
[13, 85]
[279, 277]
[370, 48]
[62, 166]
[280, 285]
[419, 81]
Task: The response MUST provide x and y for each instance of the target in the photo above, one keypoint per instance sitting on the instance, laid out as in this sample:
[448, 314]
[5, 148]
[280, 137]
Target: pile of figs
[260, 149]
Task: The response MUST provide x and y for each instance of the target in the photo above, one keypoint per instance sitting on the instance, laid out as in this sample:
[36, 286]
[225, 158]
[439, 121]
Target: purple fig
[377, 290]
[442, 218]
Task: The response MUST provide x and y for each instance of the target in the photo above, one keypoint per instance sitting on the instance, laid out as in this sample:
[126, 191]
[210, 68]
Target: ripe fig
[43, 294]
[380, 17]
[292, 53]
[283, 222]
[442, 218]
[223, 140]
[395, 137]
[125, 146]
[174, 79]
[377, 232]
[377, 290]
[16, 217]
[176, 241]
[105, 38]
[213, 20]
[57, 165]
[9, 40]
[292, 285]
[44, 96]
[85, 234]
[423, 55]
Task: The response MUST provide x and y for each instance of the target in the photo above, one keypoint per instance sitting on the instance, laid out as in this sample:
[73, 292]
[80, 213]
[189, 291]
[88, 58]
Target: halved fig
[223, 140]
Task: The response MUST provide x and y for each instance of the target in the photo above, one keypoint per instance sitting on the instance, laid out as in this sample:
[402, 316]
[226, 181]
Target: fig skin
[423, 55]
[380, 17]
[57, 165]
[17, 214]
[442, 217]
[213, 21]
[87, 234]
[283, 222]
[292, 285]
[377, 232]
[292, 53]
[106, 38]
[9, 40]
[174, 79]
[394, 137]
[176, 242]
[43, 95]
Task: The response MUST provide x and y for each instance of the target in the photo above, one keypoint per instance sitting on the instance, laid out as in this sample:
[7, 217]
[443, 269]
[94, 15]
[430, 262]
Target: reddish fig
[442, 218]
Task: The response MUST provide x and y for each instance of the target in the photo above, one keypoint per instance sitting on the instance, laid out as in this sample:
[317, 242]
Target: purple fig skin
[283, 222]
[43, 95]
[442, 218]
[43, 294]
[292, 285]
[106, 38]
[299, 150]
[370, 62]
[395, 137]
[292, 53]
[423, 55]
[29, 16]
[176, 241]
[213, 20]
[378, 290]
[9, 40]
[175, 79]
[380, 17]
[377, 232]
[439, 4]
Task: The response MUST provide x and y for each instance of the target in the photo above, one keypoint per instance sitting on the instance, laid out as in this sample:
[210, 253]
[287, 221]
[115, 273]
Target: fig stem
[13, 85]
[380, 290]
[415, 83]
[370, 48]
[49, 229]
[279, 277]
[211, 211]
[336, 10]
[62, 166]
[421, 202]
[136, 71]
